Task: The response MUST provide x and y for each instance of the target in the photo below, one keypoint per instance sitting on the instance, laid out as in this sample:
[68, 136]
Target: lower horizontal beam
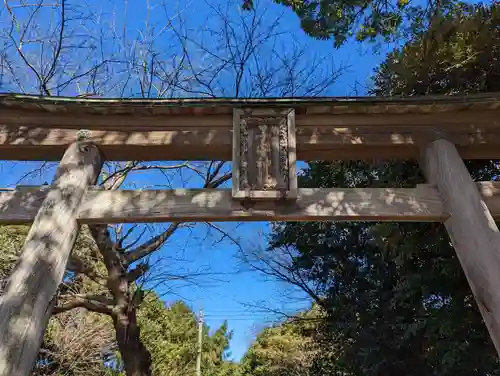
[420, 204]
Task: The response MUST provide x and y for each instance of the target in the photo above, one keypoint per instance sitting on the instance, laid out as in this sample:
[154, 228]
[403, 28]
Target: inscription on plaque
[264, 154]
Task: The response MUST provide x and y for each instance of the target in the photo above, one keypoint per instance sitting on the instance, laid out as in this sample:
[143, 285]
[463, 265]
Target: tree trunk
[136, 358]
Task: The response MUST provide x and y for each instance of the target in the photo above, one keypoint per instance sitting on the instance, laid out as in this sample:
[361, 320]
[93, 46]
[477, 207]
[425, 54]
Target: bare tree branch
[77, 265]
[150, 246]
[59, 46]
[95, 303]
[268, 263]
[137, 272]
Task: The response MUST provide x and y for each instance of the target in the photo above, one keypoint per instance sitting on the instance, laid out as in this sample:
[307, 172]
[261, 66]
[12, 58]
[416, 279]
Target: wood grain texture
[26, 302]
[471, 228]
[378, 122]
[38, 135]
[422, 203]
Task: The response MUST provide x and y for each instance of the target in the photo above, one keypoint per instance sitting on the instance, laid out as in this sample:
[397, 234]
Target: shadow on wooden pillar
[471, 228]
[26, 302]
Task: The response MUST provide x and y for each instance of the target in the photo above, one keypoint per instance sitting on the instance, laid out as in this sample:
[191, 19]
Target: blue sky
[230, 288]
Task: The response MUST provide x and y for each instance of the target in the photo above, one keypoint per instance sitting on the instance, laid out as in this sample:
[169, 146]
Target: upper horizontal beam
[42, 135]
[422, 203]
[40, 128]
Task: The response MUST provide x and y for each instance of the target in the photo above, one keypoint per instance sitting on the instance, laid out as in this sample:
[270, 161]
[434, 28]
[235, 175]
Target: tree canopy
[170, 332]
[285, 349]
[361, 19]
[458, 53]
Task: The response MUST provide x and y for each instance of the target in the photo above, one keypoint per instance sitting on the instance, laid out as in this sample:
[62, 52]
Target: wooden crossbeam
[45, 136]
[422, 203]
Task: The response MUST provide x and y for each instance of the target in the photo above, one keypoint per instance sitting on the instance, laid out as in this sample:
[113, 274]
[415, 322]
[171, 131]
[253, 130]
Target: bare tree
[64, 47]
[247, 54]
[78, 343]
[280, 265]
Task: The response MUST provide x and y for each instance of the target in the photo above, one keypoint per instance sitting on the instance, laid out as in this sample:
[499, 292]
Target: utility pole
[200, 338]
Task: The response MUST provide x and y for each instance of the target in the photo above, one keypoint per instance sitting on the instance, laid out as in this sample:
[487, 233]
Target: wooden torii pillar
[471, 227]
[26, 302]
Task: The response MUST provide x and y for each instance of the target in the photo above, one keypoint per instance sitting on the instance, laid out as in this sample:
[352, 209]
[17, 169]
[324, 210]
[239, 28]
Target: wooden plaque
[264, 154]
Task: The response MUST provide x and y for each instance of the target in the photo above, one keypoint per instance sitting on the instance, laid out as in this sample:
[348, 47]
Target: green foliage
[287, 349]
[362, 19]
[397, 300]
[457, 54]
[171, 335]
[11, 241]
[395, 294]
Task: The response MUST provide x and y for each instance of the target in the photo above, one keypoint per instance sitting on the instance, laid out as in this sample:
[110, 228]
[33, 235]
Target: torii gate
[263, 138]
